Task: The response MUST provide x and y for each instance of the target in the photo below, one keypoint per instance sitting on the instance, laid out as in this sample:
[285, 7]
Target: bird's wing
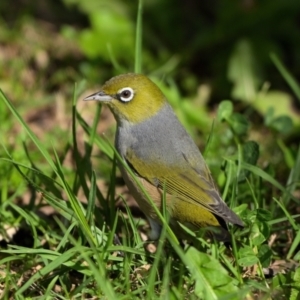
[187, 182]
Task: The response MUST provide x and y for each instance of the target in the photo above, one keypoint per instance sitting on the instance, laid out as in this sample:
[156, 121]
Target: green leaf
[241, 209]
[225, 110]
[263, 215]
[109, 30]
[265, 255]
[282, 124]
[250, 152]
[273, 104]
[243, 72]
[280, 280]
[239, 124]
[295, 292]
[247, 257]
[212, 280]
[260, 232]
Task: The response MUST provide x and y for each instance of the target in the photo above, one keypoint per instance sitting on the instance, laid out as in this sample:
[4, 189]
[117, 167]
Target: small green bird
[160, 152]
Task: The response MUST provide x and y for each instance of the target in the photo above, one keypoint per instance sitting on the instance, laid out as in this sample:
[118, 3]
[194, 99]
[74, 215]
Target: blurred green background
[193, 41]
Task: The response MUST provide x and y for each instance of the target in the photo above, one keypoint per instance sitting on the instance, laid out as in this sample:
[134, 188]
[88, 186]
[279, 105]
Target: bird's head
[133, 97]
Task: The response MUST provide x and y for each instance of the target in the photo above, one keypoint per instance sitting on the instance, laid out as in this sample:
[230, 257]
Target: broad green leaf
[225, 110]
[259, 233]
[265, 255]
[243, 72]
[282, 124]
[109, 29]
[212, 280]
[275, 104]
[248, 261]
[280, 280]
[239, 124]
[247, 257]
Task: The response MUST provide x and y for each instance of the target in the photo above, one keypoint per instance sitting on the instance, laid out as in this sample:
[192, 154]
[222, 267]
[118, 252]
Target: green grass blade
[293, 180]
[295, 245]
[138, 39]
[291, 81]
[76, 205]
[61, 259]
[33, 137]
[100, 142]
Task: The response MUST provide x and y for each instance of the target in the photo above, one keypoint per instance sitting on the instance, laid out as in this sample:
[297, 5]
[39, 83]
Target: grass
[59, 192]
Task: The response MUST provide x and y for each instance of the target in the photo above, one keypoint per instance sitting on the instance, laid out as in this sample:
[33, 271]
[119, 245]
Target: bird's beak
[99, 96]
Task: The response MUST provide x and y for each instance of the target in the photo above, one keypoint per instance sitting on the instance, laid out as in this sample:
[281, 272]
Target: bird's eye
[126, 94]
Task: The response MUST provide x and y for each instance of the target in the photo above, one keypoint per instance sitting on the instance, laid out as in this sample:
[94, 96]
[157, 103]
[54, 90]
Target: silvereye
[164, 158]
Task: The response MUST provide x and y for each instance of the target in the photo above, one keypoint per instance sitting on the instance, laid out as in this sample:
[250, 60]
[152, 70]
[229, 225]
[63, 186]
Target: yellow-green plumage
[140, 109]
[158, 149]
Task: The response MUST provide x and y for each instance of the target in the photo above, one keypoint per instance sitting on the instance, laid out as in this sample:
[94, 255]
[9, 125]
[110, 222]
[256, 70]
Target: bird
[164, 159]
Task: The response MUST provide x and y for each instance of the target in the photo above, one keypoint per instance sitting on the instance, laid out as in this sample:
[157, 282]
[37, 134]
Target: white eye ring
[126, 94]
